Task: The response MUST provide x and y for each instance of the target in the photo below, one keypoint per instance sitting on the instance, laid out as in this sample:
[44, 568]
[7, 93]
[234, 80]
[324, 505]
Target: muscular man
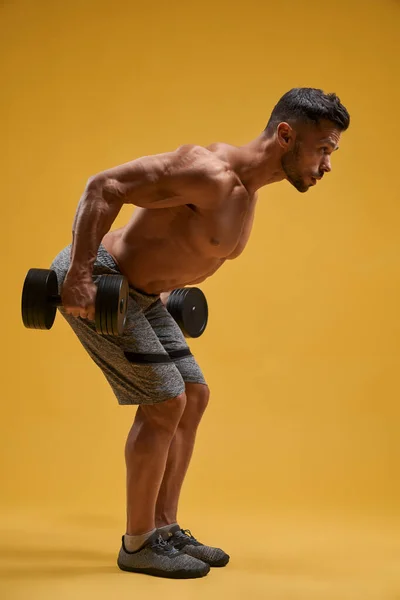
[195, 211]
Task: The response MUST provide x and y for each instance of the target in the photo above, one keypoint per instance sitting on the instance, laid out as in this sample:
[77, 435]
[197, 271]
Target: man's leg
[146, 452]
[179, 456]
[180, 453]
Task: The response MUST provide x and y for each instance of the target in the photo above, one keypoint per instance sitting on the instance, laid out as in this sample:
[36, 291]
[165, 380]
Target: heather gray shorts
[126, 360]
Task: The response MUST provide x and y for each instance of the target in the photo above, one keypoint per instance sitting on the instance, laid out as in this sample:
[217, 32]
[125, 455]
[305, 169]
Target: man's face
[310, 156]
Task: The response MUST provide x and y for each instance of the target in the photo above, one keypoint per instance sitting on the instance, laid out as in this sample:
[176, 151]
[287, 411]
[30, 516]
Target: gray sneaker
[160, 559]
[183, 540]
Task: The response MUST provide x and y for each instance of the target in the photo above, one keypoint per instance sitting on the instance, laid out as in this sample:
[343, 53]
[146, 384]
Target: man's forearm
[93, 219]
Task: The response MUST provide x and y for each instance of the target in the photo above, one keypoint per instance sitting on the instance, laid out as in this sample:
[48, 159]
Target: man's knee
[165, 415]
[198, 396]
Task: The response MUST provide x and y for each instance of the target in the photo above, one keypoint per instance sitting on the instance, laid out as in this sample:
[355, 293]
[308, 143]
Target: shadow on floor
[17, 562]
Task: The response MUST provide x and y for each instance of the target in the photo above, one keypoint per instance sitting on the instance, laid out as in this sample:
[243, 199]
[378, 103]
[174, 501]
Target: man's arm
[189, 175]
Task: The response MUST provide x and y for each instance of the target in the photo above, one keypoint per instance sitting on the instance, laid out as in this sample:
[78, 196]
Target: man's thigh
[174, 343]
[135, 364]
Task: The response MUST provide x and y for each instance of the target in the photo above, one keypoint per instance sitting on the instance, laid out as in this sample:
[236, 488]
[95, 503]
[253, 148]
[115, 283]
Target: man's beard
[289, 163]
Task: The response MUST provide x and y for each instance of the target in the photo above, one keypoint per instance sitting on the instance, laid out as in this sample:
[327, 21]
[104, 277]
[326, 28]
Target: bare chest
[226, 229]
[218, 232]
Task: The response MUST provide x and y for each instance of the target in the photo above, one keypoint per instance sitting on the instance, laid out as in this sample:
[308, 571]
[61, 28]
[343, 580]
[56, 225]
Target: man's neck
[258, 163]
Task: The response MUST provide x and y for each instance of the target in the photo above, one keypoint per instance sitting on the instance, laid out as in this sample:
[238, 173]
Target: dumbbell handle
[55, 300]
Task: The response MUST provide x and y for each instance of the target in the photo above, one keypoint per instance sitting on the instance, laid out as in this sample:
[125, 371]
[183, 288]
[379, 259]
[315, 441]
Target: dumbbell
[40, 299]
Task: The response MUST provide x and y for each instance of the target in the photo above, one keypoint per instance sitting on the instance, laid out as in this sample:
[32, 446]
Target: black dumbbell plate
[111, 304]
[189, 308]
[38, 311]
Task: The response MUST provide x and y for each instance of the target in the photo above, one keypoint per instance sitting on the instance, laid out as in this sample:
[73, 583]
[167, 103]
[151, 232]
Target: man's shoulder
[202, 162]
[196, 152]
[199, 174]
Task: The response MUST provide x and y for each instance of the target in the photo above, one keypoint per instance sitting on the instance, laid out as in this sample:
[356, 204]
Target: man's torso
[164, 248]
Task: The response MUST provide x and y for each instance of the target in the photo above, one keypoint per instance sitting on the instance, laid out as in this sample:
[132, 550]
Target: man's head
[307, 124]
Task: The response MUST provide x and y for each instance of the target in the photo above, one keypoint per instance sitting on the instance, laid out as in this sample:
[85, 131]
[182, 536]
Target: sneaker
[183, 540]
[160, 559]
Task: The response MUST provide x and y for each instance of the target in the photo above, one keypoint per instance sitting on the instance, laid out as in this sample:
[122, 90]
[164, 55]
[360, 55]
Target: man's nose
[326, 166]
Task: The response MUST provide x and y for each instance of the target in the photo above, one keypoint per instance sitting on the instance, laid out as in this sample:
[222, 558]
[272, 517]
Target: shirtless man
[195, 211]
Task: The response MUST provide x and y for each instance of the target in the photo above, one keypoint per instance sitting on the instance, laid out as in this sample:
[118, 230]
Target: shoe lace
[189, 534]
[161, 544]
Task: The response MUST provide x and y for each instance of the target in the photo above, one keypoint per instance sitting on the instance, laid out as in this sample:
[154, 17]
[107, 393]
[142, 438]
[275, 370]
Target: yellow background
[296, 471]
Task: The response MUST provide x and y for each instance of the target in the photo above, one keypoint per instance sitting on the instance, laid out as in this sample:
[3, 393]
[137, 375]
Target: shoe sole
[166, 574]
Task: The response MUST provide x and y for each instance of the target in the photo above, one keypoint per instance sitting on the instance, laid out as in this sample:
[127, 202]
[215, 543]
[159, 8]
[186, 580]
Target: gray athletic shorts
[126, 360]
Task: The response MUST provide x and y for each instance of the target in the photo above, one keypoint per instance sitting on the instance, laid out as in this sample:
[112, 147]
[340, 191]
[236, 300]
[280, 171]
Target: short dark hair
[309, 105]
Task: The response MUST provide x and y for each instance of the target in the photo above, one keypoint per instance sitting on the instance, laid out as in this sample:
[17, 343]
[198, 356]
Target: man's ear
[285, 135]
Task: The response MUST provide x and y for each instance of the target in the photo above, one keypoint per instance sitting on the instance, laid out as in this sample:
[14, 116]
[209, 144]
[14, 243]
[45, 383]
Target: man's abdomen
[159, 265]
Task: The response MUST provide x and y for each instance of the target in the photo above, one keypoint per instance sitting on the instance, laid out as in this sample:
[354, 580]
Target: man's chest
[226, 228]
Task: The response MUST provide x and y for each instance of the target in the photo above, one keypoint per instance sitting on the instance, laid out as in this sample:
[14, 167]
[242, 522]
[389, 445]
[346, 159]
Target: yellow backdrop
[302, 351]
